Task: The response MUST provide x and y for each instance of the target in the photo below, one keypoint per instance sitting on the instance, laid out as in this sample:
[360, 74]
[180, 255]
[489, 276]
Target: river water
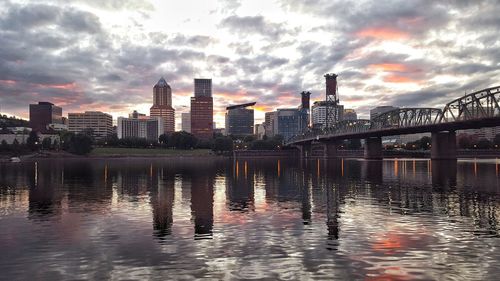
[276, 219]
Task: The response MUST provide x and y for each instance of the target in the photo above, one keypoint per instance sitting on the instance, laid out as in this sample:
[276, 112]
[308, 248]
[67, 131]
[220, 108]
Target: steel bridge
[473, 111]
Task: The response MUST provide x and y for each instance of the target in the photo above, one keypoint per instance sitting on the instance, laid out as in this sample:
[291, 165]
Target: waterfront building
[202, 109]
[240, 120]
[162, 106]
[100, 123]
[318, 112]
[375, 112]
[43, 114]
[287, 122]
[350, 114]
[149, 128]
[482, 133]
[186, 122]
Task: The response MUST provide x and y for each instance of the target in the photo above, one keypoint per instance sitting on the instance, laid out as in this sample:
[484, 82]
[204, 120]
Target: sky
[107, 55]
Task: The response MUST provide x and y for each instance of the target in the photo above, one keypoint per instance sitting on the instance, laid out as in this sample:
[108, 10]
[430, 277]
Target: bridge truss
[482, 104]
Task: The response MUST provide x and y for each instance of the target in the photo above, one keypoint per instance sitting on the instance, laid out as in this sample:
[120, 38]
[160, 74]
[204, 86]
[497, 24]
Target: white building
[318, 112]
[186, 122]
[101, 123]
[149, 128]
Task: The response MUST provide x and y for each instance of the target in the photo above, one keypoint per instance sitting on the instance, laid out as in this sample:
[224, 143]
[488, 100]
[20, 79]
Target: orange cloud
[399, 79]
[385, 33]
[67, 86]
[393, 67]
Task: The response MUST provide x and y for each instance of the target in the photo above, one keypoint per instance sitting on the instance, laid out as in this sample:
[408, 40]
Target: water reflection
[242, 219]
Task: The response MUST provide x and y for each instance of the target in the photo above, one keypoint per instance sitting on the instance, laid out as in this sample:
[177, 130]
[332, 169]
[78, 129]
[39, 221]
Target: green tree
[15, 147]
[249, 138]
[484, 144]
[223, 144]
[111, 140]
[33, 140]
[81, 144]
[425, 142]
[4, 146]
[66, 139]
[182, 140]
[47, 143]
[163, 139]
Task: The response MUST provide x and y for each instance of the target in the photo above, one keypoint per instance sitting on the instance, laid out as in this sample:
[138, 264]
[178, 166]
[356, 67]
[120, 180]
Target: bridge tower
[332, 101]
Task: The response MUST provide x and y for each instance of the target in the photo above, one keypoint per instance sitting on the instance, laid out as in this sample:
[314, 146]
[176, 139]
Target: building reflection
[240, 187]
[162, 182]
[202, 201]
[45, 190]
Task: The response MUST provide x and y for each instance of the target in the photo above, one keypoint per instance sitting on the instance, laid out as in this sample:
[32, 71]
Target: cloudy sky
[107, 55]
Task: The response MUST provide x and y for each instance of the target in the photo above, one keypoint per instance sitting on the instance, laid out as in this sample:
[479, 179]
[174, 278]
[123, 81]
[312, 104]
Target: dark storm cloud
[248, 25]
[409, 16]
[26, 17]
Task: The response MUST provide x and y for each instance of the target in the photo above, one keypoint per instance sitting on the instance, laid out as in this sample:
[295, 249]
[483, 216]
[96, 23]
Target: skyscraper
[186, 122]
[162, 106]
[202, 87]
[240, 120]
[44, 114]
[202, 109]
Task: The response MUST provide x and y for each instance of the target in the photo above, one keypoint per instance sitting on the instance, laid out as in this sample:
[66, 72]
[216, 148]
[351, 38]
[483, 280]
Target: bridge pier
[444, 146]
[330, 149]
[373, 148]
[304, 150]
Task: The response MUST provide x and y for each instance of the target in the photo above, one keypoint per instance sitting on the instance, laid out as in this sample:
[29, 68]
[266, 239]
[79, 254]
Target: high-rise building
[162, 106]
[100, 123]
[240, 120]
[287, 122]
[319, 111]
[202, 87]
[43, 114]
[269, 123]
[202, 109]
[350, 114]
[186, 122]
[149, 128]
[260, 130]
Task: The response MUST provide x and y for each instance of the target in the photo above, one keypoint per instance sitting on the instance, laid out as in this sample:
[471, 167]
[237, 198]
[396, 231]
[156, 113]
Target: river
[275, 219]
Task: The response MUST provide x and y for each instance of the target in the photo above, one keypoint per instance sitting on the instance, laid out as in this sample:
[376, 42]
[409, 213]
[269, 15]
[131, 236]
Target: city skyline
[92, 56]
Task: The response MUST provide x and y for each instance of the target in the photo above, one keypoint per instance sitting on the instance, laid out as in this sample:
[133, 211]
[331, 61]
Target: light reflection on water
[249, 219]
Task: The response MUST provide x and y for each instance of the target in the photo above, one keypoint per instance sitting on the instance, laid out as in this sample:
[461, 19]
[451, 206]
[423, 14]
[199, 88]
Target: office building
[100, 123]
[287, 122]
[269, 123]
[260, 130]
[240, 119]
[350, 114]
[202, 87]
[43, 114]
[318, 112]
[162, 106]
[202, 109]
[375, 112]
[149, 128]
[186, 122]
